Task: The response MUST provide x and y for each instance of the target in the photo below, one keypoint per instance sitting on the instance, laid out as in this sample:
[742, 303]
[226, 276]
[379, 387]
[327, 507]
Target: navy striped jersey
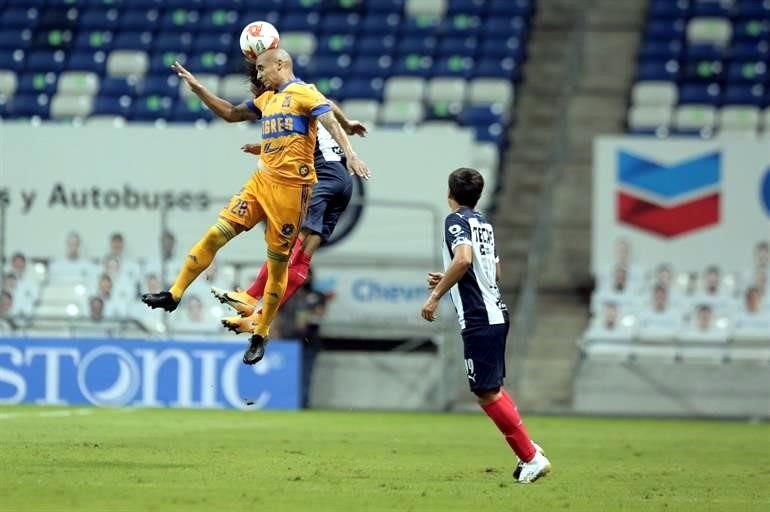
[476, 296]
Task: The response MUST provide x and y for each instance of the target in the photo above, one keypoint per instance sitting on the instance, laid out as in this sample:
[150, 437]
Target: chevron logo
[669, 200]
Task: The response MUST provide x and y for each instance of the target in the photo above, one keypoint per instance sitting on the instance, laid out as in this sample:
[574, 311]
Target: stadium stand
[450, 63]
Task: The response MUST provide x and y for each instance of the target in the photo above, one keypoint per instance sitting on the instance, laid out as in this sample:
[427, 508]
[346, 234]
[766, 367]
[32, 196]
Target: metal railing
[525, 313]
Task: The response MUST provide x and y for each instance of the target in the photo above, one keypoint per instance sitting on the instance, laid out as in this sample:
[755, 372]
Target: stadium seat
[372, 67]
[512, 46]
[363, 89]
[399, 112]
[37, 83]
[17, 17]
[190, 109]
[100, 19]
[497, 68]
[506, 27]
[180, 42]
[693, 119]
[739, 118]
[66, 106]
[713, 31]
[340, 23]
[335, 44]
[180, 20]
[483, 115]
[417, 45]
[375, 46]
[15, 38]
[234, 88]
[654, 94]
[127, 63]
[78, 83]
[209, 81]
[12, 60]
[139, 20]
[434, 8]
[658, 71]
[484, 91]
[380, 25]
[213, 43]
[753, 72]
[366, 111]
[8, 83]
[220, 21]
[414, 65]
[386, 6]
[742, 94]
[404, 88]
[445, 90]
[166, 85]
[420, 26]
[298, 43]
[207, 62]
[133, 41]
[461, 46]
[28, 105]
[295, 22]
[643, 118]
[700, 93]
[151, 108]
[494, 133]
[88, 61]
[45, 61]
[112, 106]
[93, 40]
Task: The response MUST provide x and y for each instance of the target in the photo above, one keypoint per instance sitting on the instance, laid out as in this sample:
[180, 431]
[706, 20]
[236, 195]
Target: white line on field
[47, 414]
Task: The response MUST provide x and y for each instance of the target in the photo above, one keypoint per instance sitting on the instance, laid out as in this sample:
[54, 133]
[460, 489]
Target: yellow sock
[201, 255]
[275, 287]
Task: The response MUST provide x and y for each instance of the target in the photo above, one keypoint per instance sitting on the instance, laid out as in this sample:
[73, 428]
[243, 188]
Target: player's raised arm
[355, 164]
[221, 107]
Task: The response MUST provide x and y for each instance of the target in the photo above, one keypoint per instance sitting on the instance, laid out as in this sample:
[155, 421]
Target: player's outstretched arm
[221, 107]
[355, 165]
[461, 262]
[351, 126]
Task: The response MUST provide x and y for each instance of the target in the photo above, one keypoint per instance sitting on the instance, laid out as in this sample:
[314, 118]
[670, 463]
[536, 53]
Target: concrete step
[603, 71]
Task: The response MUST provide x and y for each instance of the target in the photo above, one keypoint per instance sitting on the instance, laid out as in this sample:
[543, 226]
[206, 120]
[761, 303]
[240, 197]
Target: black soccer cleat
[163, 300]
[256, 350]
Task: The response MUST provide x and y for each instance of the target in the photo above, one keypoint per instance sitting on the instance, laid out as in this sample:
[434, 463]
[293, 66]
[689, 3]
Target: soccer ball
[257, 37]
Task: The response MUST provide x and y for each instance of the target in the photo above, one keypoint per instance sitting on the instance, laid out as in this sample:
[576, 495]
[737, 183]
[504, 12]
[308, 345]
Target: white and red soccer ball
[257, 37]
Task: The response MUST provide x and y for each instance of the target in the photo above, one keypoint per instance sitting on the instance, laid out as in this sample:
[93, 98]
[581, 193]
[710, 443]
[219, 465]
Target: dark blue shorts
[484, 348]
[330, 197]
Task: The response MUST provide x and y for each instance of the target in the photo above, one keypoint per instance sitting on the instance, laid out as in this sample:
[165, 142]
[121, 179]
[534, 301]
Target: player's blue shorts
[484, 348]
[330, 197]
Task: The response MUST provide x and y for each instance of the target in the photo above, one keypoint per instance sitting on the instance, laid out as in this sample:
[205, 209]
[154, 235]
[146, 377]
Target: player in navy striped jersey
[471, 276]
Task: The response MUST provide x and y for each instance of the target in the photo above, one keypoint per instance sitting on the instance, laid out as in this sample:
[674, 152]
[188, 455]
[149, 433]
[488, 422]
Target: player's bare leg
[277, 278]
[198, 259]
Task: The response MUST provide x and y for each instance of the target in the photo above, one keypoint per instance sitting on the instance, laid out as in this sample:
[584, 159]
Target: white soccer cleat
[520, 463]
[538, 467]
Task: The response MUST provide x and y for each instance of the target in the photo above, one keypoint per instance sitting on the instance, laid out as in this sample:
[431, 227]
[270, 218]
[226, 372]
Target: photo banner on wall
[691, 203]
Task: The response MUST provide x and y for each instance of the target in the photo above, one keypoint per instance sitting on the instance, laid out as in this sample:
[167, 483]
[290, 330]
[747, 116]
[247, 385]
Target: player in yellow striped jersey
[278, 193]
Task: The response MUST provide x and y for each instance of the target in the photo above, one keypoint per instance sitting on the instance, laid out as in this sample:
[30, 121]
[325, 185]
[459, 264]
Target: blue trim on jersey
[271, 130]
[250, 104]
[320, 110]
[287, 84]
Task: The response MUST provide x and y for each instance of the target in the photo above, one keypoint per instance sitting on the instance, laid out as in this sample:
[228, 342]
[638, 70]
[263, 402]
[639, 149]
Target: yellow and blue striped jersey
[289, 130]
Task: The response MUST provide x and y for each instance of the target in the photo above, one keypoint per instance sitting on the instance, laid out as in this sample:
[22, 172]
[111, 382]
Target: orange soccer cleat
[243, 303]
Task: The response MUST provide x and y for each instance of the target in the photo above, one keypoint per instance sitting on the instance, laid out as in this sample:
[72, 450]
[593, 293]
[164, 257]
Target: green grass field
[93, 459]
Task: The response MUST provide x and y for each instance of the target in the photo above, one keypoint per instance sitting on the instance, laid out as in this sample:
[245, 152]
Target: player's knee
[487, 396]
[219, 234]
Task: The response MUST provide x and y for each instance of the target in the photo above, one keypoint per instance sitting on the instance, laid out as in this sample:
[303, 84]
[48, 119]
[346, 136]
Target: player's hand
[254, 149]
[185, 75]
[429, 309]
[356, 128]
[433, 279]
[358, 167]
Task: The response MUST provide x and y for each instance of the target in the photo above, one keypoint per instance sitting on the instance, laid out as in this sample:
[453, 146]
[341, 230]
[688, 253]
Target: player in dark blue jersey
[471, 276]
[328, 201]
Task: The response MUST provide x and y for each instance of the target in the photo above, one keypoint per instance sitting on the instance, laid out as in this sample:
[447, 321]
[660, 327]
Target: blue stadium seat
[100, 19]
[37, 83]
[420, 26]
[386, 6]
[506, 68]
[113, 105]
[461, 25]
[271, 16]
[700, 93]
[710, 9]
[160, 63]
[88, 61]
[465, 6]
[139, 20]
[220, 21]
[11, 39]
[462, 46]
[753, 72]
[666, 30]
[150, 108]
[118, 87]
[663, 9]
[329, 85]
[160, 85]
[28, 105]
[111, 3]
[413, 65]
[343, 5]
[506, 27]
[46, 61]
[665, 70]
[453, 66]
[372, 67]
[510, 7]
[480, 115]
[183, 4]
[704, 71]
[308, 22]
[239, 5]
[137, 4]
[38, 4]
[705, 52]
[60, 18]
[751, 9]
[494, 133]
[505, 47]
[357, 88]
[208, 62]
[133, 41]
[302, 5]
[424, 45]
[52, 40]
[752, 30]
[18, 17]
[743, 94]
[340, 23]
[12, 59]
[174, 42]
[329, 66]
[180, 20]
[335, 44]
[189, 110]
[750, 50]
[213, 43]
[380, 24]
[661, 50]
[375, 45]
[93, 40]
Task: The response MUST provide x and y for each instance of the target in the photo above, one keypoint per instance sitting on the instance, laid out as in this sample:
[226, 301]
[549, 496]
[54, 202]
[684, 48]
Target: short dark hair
[465, 186]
